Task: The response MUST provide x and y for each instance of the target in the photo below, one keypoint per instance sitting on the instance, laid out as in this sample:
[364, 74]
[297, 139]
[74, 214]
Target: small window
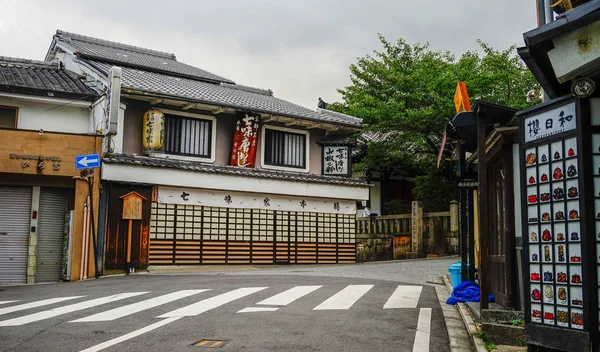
[8, 117]
[188, 136]
[285, 149]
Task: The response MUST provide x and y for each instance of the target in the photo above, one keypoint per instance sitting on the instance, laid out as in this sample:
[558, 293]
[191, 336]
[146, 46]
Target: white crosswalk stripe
[68, 309]
[286, 297]
[36, 304]
[211, 303]
[139, 306]
[404, 297]
[345, 298]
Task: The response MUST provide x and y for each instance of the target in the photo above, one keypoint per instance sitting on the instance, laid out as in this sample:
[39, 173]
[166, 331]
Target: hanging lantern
[154, 131]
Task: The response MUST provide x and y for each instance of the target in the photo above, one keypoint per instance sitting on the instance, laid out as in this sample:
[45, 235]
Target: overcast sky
[301, 49]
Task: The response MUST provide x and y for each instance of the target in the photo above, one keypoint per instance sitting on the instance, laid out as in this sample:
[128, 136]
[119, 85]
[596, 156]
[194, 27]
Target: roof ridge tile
[69, 35]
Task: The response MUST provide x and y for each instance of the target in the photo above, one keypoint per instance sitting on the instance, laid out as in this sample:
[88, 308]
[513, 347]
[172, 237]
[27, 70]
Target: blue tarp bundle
[466, 291]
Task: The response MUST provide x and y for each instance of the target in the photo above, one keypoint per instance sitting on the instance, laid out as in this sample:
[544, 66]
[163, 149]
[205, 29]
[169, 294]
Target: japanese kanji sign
[549, 123]
[243, 153]
[335, 160]
[229, 199]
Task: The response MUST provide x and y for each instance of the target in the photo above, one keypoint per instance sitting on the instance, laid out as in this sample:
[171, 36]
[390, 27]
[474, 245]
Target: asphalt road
[349, 314]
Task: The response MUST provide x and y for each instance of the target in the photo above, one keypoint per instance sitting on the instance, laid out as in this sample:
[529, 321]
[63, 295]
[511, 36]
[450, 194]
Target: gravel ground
[406, 271]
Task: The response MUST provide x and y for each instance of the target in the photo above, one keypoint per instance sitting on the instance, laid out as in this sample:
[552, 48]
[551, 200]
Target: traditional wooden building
[45, 121]
[226, 174]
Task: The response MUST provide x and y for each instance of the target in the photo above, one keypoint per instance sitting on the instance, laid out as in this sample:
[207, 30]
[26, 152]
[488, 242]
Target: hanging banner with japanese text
[549, 123]
[336, 160]
[225, 199]
[243, 152]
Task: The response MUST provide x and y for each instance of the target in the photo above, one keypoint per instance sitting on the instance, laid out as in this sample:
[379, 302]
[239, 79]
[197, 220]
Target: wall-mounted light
[41, 132]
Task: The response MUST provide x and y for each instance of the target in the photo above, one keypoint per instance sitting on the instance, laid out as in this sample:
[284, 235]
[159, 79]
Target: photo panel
[544, 193]
[576, 296]
[534, 253]
[543, 173]
[562, 317]
[571, 147]
[534, 273]
[547, 254]
[573, 210]
[534, 234]
[548, 276]
[572, 189]
[596, 164]
[531, 157]
[596, 143]
[560, 232]
[574, 253]
[560, 254]
[562, 295]
[571, 168]
[556, 150]
[532, 195]
[558, 211]
[558, 172]
[548, 296]
[574, 231]
[575, 273]
[558, 191]
[536, 293]
[561, 275]
[549, 316]
[577, 319]
[543, 154]
[546, 233]
[536, 313]
[532, 176]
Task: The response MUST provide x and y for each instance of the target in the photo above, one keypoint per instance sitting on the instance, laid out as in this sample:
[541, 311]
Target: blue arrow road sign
[90, 161]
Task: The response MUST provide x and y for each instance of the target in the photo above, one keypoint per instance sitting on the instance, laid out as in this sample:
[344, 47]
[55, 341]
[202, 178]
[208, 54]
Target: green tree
[405, 93]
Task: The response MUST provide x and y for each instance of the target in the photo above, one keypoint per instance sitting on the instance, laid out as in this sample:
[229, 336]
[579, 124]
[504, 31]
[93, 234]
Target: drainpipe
[102, 211]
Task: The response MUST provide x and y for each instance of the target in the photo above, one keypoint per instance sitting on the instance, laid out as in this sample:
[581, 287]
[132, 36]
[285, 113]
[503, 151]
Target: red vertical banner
[243, 151]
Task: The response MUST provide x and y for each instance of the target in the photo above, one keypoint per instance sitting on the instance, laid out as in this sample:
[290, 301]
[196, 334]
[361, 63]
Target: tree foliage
[405, 92]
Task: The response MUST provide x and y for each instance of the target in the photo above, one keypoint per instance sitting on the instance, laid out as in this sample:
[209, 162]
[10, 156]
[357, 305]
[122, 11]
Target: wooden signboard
[132, 210]
[132, 206]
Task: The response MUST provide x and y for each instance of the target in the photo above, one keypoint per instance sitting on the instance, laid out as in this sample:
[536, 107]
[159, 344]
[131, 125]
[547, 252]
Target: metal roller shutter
[15, 210]
[51, 225]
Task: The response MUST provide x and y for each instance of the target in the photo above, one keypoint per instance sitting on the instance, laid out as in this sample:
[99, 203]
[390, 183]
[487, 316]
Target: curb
[467, 319]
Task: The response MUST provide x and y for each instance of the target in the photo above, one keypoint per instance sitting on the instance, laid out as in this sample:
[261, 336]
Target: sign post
[132, 210]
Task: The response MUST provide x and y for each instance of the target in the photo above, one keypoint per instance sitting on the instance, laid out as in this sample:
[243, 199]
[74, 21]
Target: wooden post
[483, 228]
[132, 210]
[128, 265]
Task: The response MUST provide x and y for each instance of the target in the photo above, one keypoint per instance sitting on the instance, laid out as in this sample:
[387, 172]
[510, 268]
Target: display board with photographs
[554, 234]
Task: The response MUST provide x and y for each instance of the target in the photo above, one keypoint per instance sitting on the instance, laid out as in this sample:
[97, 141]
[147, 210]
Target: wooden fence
[408, 235]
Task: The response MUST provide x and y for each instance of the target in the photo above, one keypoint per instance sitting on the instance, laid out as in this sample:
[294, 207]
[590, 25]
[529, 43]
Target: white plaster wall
[50, 116]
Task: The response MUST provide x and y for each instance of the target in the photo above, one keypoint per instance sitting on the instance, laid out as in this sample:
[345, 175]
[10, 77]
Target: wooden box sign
[132, 206]
[47, 153]
[559, 191]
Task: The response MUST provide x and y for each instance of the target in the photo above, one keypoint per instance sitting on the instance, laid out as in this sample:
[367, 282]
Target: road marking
[345, 298]
[43, 302]
[258, 309]
[68, 309]
[120, 312]
[6, 302]
[131, 335]
[286, 297]
[423, 331]
[211, 303]
[187, 311]
[404, 297]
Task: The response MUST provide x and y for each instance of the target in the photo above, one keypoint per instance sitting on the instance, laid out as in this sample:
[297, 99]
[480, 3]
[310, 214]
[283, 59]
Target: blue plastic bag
[467, 291]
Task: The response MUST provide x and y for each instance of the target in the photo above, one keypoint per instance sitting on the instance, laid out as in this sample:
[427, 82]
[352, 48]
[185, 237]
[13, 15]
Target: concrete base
[504, 334]
[415, 255]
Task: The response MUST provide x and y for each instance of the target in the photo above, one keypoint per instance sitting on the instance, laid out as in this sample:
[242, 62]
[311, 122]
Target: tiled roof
[41, 78]
[239, 97]
[230, 170]
[129, 55]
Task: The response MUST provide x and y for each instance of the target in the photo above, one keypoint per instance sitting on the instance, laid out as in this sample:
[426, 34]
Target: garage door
[15, 209]
[51, 225]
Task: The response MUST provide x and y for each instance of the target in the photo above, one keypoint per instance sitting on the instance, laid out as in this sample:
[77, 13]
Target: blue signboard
[90, 161]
